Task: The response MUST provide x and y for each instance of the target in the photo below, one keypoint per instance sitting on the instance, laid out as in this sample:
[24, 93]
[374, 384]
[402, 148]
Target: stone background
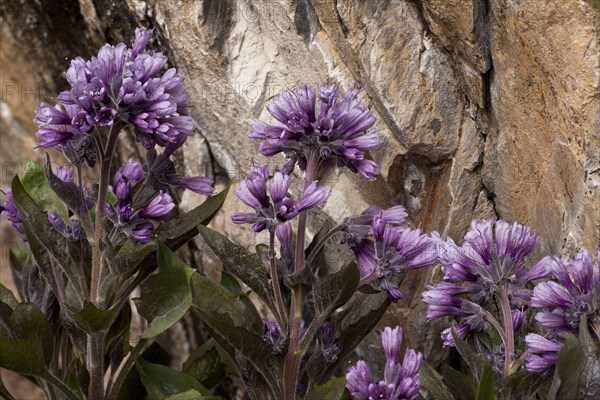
[487, 108]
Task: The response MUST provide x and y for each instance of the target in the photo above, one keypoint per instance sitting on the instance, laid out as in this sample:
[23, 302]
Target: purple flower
[71, 231]
[10, 212]
[542, 353]
[284, 236]
[576, 292]
[401, 380]
[329, 348]
[492, 255]
[392, 251]
[119, 84]
[273, 336]
[129, 220]
[273, 206]
[338, 131]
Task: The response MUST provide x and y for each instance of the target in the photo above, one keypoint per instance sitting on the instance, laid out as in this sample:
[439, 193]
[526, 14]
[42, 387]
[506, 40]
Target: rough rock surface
[487, 108]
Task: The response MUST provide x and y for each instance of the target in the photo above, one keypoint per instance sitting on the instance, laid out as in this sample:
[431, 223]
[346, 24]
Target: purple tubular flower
[273, 336]
[492, 256]
[119, 84]
[10, 212]
[542, 353]
[339, 131]
[392, 251]
[401, 380]
[272, 205]
[71, 231]
[159, 207]
[329, 348]
[199, 184]
[575, 293]
[284, 236]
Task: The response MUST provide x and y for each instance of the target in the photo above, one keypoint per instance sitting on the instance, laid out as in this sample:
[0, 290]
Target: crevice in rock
[217, 20]
[306, 20]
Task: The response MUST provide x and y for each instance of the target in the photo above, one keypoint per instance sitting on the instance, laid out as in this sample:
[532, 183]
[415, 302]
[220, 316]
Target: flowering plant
[95, 245]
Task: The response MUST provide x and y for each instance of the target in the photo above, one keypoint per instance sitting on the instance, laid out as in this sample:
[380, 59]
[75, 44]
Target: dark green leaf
[185, 227]
[230, 283]
[26, 344]
[351, 325]
[161, 381]
[242, 264]
[333, 291]
[432, 381]
[71, 195]
[205, 364]
[460, 385]
[34, 182]
[485, 389]
[335, 389]
[233, 326]
[8, 297]
[190, 395]
[165, 296]
[73, 258]
[18, 259]
[568, 370]
[128, 258]
[90, 318]
[473, 360]
[589, 384]
[523, 385]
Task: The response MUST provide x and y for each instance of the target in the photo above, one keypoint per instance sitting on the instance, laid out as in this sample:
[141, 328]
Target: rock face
[486, 108]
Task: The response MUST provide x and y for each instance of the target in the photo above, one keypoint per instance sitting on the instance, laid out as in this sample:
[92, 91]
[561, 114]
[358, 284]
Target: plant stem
[490, 318]
[508, 329]
[57, 383]
[370, 278]
[135, 353]
[292, 361]
[86, 219]
[95, 365]
[313, 254]
[275, 281]
[98, 231]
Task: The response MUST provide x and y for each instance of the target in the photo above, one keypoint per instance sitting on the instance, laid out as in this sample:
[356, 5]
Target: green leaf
[165, 296]
[18, 259]
[34, 182]
[485, 389]
[473, 360]
[190, 395]
[68, 192]
[73, 257]
[161, 381]
[351, 324]
[185, 227]
[568, 370]
[242, 264]
[333, 291]
[335, 389]
[523, 385]
[127, 259]
[8, 297]
[589, 384]
[90, 318]
[205, 364]
[460, 385]
[432, 381]
[230, 283]
[235, 327]
[26, 344]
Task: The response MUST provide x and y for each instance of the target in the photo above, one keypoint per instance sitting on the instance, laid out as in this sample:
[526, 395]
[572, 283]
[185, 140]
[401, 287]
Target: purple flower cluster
[336, 132]
[574, 294]
[401, 381]
[134, 222]
[273, 206]
[119, 84]
[384, 250]
[492, 256]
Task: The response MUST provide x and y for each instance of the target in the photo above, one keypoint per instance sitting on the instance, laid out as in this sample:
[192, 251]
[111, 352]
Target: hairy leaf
[589, 384]
[165, 296]
[242, 264]
[126, 260]
[432, 381]
[568, 370]
[90, 318]
[485, 389]
[234, 328]
[205, 364]
[70, 194]
[335, 389]
[8, 297]
[185, 227]
[460, 385]
[26, 344]
[161, 381]
[34, 182]
[473, 360]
